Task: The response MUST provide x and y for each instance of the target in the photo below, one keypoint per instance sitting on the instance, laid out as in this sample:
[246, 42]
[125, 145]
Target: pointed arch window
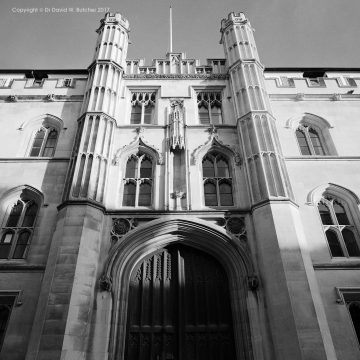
[18, 228]
[44, 143]
[217, 180]
[138, 181]
[341, 233]
[310, 140]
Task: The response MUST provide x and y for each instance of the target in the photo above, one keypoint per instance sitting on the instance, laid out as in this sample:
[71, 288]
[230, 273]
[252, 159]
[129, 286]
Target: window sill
[340, 263]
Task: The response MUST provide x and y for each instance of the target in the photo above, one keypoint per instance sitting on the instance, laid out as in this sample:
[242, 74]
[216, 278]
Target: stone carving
[177, 76]
[253, 282]
[336, 97]
[105, 283]
[137, 143]
[178, 195]
[50, 97]
[214, 142]
[300, 96]
[121, 227]
[12, 98]
[235, 226]
[176, 124]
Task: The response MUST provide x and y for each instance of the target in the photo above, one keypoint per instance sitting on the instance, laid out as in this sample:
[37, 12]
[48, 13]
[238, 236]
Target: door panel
[179, 308]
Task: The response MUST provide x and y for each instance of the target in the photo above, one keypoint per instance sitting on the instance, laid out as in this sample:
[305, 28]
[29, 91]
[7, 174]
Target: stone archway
[142, 243]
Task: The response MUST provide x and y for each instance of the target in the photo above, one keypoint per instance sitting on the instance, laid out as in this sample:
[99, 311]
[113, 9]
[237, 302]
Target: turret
[92, 148]
[256, 125]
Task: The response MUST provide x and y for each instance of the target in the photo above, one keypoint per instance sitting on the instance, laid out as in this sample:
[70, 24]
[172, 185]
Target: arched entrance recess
[142, 243]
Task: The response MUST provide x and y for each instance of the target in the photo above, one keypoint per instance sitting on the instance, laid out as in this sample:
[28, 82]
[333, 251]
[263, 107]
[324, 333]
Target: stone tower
[282, 262]
[90, 159]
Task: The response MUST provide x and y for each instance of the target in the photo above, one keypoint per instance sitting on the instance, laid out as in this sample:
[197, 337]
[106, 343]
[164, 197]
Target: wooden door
[179, 308]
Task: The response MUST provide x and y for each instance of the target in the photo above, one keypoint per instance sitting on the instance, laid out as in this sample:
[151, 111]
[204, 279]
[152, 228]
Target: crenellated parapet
[175, 64]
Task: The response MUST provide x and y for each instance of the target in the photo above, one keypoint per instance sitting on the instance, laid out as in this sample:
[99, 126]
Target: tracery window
[309, 140]
[209, 107]
[142, 107]
[18, 228]
[138, 181]
[44, 142]
[341, 234]
[217, 180]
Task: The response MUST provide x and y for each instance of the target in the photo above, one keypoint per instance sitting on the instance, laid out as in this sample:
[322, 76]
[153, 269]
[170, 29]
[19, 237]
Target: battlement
[114, 19]
[176, 64]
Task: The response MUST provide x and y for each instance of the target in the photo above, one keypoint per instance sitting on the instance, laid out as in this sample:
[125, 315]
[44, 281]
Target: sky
[288, 33]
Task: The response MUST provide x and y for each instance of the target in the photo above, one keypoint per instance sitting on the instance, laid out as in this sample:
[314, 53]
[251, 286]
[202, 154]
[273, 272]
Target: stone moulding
[215, 143]
[178, 76]
[157, 234]
[135, 145]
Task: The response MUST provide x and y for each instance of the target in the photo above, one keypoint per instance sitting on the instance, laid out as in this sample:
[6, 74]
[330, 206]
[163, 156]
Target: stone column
[285, 267]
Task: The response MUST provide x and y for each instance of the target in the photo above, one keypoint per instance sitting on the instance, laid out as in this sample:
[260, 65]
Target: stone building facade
[179, 211]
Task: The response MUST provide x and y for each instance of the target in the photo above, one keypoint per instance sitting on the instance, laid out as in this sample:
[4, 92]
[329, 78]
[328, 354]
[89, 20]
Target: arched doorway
[179, 308]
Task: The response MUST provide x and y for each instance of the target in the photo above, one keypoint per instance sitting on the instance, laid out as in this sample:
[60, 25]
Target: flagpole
[171, 29]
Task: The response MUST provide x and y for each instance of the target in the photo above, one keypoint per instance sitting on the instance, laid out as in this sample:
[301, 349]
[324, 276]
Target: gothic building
[179, 211]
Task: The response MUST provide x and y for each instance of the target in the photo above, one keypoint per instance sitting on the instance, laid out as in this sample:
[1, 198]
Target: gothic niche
[176, 139]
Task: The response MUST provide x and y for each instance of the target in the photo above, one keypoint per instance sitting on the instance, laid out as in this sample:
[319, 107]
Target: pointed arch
[315, 195]
[340, 217]
[45, 120]
[146, 240]
[215, 144]
[139, 144]
[315, 120]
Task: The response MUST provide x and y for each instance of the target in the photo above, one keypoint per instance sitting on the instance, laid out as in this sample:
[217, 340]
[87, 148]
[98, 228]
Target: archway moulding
[214, 143]
[315, 195]
[310, 119]
[46, 119]
[137, 144]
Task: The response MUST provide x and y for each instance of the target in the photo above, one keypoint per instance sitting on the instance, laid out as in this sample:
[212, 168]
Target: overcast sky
[289, 33]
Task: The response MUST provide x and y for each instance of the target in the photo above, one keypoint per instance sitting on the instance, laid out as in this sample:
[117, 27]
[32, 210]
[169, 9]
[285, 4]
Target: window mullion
[47, 132]
[142, 112]
[342, 242]
[308, 140]
[209, 111]
[217, 192]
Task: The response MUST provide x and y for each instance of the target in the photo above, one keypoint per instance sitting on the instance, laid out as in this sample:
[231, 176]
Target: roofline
[47, 71]
[315, 69]
[267, 69]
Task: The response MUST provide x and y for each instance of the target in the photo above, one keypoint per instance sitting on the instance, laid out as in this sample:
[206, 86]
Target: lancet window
[217, 180]
[18, 228]
[309, 140]
[44, 142]
[209, 107]
[142, 107]
[138, 181]
[340, 231]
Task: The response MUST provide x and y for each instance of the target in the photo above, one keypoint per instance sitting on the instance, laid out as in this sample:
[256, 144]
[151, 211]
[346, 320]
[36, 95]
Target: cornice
[315, 97]
[41, 98]
[339, 265]
[34, 159]
[176, 76]
[322, 158]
